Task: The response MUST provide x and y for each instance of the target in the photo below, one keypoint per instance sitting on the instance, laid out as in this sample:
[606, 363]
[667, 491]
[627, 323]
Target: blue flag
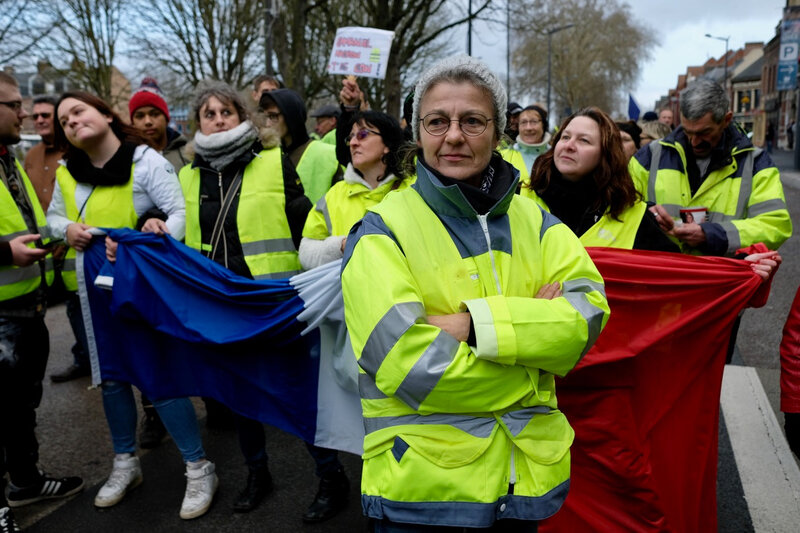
[177, 324]
[633, 108]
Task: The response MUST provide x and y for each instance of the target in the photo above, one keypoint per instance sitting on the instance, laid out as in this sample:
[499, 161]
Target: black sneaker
[7, 522]
[153, 430]
[71, 372]
[259, 484]
[47, 488]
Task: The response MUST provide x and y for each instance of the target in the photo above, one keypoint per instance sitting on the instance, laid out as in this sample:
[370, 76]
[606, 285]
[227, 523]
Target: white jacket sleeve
[315, 252]
[155, 184]
[57, 215]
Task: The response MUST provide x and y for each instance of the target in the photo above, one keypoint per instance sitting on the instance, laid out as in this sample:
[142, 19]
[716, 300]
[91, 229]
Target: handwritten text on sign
[361, 52]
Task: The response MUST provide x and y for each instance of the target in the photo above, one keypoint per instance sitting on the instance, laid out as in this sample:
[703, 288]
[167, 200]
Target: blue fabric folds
[177, 324]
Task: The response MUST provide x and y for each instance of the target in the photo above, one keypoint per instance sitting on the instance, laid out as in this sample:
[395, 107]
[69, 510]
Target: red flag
[644, 401]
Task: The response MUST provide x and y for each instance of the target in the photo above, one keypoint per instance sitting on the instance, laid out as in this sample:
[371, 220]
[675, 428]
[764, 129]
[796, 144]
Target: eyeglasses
[361, 135]
[272, 117]
[14, 105]
[472, 125]
[531, 122]
[43, 115]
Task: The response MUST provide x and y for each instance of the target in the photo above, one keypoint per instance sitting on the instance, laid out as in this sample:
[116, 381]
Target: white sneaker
[126, 475]
[201, 484]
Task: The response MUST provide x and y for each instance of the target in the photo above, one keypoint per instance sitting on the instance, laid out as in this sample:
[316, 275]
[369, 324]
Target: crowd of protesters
[444, 333]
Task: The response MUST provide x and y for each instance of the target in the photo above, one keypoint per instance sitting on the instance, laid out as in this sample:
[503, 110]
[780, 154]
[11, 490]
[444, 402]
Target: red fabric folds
[644, 401]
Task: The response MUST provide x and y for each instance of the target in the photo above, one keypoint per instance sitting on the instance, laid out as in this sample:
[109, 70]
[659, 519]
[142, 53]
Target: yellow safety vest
[344, 205]
[450, 426]
[316, 168]
[750, 206]
[108, 206]
[260, 218]
[17, 281]
[607, 232]
[515, 158]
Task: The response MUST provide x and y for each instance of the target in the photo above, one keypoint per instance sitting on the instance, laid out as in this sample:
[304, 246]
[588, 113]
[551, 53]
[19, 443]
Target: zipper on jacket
[485, 227]
[512, 480]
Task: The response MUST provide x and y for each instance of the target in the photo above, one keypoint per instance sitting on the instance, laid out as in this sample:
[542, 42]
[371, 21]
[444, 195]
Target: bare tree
[200, 39]
[305, 32]
[87, 32]
[593, 63]
[20, 27]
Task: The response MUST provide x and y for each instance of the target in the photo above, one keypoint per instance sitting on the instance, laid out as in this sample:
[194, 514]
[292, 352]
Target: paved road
[74, 440]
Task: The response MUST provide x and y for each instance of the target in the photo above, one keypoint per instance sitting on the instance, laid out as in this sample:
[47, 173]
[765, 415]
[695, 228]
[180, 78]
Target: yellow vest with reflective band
[17, 281]
[607, 232]
[449, 426]
[749, 206]
[316, 169]
[107, 207]
[515, 158]
[344, 205]
[260, 217]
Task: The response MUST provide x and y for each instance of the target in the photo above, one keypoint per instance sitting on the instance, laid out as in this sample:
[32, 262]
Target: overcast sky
[680, 27]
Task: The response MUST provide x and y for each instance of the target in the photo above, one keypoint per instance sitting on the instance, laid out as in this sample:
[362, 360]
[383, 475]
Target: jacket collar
[449, 200]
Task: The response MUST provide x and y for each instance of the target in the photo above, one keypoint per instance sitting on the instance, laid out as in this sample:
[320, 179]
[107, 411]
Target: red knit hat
[148, 93]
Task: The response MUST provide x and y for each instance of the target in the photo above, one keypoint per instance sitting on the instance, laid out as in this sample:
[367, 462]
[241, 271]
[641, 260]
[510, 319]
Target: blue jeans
[177, 414]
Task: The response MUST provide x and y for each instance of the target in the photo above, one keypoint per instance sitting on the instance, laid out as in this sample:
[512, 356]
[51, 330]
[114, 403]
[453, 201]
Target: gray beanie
[462, 68]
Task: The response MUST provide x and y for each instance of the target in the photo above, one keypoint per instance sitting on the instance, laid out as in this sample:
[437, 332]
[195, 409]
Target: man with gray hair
[714, 191]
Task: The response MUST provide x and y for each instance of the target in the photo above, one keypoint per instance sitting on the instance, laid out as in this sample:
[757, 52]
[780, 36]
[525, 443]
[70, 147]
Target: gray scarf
[221, 149]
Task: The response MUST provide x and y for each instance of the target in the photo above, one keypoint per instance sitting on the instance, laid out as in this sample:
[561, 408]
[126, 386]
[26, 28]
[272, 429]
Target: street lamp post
[725, 76]
[550, 59]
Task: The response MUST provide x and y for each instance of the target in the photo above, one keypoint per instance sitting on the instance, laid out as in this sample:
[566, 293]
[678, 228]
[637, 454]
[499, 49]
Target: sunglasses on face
[361, 135]
[43, 115]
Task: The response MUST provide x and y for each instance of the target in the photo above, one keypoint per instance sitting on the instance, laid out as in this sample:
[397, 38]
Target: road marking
[770, 476]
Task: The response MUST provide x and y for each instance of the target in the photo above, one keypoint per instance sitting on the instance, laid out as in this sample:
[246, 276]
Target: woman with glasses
[374, 141]
[533, 140]
[245, 210]
[463, 300]
[373, 172]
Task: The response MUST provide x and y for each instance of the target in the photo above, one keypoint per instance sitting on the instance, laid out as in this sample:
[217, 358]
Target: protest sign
[361, 52]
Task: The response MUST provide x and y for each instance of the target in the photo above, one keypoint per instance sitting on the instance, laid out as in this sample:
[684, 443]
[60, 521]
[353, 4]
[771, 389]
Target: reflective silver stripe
[69, 264]
[734, 239]
[278, 275]
[267, 246]
[392, 325]
[548, 221]
[15, 275]
[367, 388]
[655, 160]
[673, 210]
[716, 216]
[516, 421]
[480, 427]
[584, 285]
[746, 185]
[428, 370]
[322, 207]
[590, 312]
[765, 207]
[14, 235]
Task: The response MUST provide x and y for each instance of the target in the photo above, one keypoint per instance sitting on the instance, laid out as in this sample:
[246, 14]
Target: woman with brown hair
[583, 180]
[111, 178]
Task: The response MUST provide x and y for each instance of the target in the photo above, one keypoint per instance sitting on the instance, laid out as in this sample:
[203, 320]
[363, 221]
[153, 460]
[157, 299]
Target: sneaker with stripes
[47, 488]
[7, 522]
